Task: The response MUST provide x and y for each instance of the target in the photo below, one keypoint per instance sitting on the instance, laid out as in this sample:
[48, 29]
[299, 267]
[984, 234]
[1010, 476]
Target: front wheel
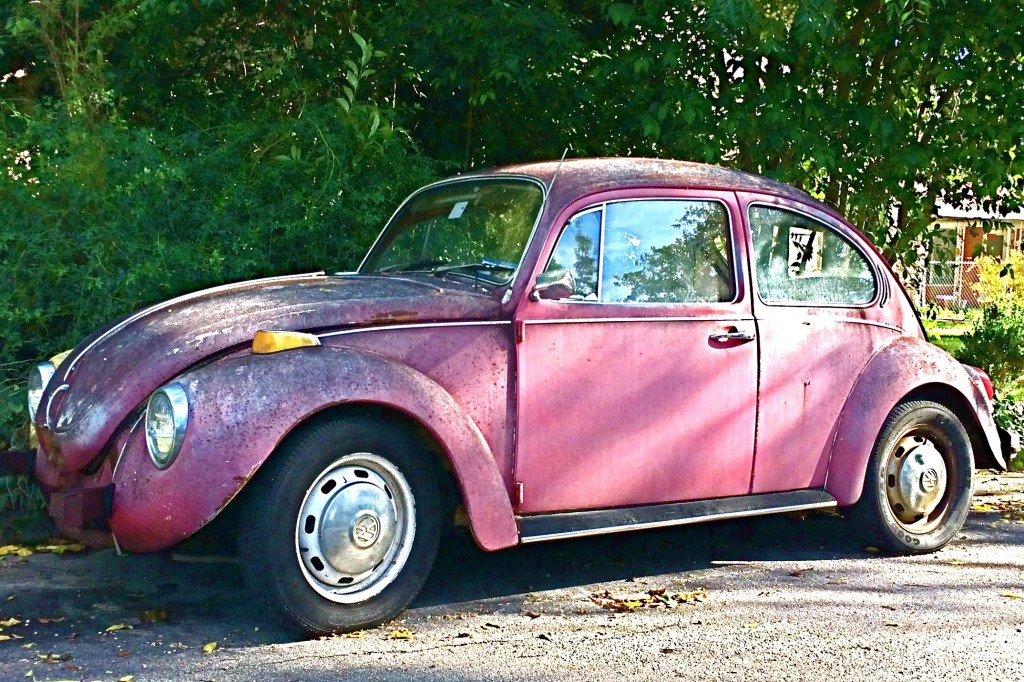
[342, 527]
[917, 490]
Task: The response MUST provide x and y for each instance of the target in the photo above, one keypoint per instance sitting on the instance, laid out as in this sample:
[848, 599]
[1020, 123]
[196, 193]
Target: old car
[550, 351]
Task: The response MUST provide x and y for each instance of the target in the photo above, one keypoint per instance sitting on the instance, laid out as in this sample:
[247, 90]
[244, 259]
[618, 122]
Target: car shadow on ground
[464, 573]
[169, 602]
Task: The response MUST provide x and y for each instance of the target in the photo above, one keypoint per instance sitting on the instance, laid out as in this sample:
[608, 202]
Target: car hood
[115, 370]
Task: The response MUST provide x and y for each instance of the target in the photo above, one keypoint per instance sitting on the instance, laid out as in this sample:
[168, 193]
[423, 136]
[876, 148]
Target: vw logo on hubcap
[365, 530]
[929, 479]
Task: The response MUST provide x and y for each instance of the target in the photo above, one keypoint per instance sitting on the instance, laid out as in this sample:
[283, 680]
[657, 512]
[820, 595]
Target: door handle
[732, 335]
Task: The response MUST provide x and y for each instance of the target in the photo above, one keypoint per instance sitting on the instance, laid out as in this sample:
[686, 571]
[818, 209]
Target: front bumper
[80, 506]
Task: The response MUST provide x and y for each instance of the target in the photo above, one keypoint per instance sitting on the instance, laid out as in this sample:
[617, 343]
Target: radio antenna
[560, 162]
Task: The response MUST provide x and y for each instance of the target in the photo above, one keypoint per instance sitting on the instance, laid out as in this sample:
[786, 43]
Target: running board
[542, 527]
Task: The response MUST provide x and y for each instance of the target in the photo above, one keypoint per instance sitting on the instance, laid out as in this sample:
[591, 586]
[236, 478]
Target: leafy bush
[1001, 283]
[99, 217]
[996, 342]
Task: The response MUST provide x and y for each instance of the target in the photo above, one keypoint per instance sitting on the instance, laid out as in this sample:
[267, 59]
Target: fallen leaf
[119, 626]
[15, 550]
[5, 638]
[872, 550]
[1012, 595]
[47, 621]
[10, 622]
[837, 581]
[60, 548]
[657, 598]
[463, 635]
[126, 678]
[358, 634]
[799, 573]
[153, 616]
[490, 626]
[893, 625]
[667, 650]
[532, 614]
[209, 648]
[400, 634]
[124, 654]
[752, 625]
[956, 562]
[889, 607]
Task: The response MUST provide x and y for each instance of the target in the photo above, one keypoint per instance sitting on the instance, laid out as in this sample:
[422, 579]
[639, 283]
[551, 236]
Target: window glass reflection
[667, 251]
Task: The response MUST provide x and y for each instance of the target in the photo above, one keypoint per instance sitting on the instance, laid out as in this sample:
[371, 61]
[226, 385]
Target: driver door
[641, 387]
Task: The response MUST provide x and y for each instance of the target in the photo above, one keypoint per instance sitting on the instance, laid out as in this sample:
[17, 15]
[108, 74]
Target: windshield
[475, 228]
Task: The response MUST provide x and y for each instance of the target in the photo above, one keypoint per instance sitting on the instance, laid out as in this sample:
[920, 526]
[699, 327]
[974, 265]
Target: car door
[820, 308]
[641, 387]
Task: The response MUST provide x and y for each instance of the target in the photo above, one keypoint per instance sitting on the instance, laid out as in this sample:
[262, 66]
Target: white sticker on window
[457, 210]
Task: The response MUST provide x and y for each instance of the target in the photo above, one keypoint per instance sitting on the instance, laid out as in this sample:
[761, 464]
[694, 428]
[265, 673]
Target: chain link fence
[950, 286]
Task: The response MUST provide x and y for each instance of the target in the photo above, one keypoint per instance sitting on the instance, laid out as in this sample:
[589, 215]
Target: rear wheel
[342, 526]
[917, 491]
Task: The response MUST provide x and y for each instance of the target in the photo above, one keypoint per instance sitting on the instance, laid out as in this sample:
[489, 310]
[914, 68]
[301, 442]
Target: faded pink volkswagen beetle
[594, 347]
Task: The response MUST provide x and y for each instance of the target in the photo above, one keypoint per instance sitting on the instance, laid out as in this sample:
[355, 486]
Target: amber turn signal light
[274, 342]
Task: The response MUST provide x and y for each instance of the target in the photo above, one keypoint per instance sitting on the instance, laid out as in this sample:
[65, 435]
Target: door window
[799, 260]
[651, 251]
[576, 251]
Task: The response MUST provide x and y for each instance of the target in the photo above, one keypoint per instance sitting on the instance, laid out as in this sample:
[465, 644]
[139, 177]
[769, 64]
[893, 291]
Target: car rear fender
[242, 407]
[907, 368]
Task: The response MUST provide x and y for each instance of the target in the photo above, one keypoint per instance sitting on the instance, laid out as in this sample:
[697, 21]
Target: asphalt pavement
[777, 598]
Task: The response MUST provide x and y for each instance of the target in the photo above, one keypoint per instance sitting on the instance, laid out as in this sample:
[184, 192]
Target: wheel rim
[917, 475]
[355, 528]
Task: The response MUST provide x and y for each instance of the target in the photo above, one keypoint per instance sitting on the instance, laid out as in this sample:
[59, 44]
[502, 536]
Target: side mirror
[554, 285]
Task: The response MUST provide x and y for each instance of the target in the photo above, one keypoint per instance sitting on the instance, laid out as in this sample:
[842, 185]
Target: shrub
[101, 217]
[996, 342]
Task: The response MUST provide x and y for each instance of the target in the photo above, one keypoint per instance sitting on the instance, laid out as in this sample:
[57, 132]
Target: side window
[666, 251]
[799, 260]
[576, 250]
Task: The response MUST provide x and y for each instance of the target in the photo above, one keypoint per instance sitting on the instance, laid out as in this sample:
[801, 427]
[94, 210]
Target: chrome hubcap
[915, 479]
[355, 528]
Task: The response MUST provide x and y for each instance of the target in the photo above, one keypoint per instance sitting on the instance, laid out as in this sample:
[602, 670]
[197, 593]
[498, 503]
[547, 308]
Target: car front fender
[242, 407]
[907, 367]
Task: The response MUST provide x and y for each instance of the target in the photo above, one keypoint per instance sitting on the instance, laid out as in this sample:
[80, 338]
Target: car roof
[583, 176]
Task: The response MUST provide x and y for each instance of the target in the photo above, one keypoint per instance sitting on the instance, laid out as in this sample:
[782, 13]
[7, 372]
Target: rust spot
[396, 316]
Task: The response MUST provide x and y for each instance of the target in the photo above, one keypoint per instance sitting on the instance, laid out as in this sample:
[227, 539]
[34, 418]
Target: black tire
[904, 476]
[350, 460]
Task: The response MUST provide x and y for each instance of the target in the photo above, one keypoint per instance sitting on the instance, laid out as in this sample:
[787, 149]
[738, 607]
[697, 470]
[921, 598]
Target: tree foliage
[153, 147]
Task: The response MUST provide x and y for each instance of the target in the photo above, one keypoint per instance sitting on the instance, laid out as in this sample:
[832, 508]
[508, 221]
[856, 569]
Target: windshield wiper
[484, 264]
[415, 266]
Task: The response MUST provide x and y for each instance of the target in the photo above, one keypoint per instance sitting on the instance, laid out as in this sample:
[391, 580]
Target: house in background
[965, 235]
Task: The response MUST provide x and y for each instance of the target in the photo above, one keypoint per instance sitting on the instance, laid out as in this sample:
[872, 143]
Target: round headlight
[37, 380]
[166, 419]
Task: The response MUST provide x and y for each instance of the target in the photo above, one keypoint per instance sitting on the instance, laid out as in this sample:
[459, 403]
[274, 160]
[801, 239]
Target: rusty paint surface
[903, 365]
[130, 360]
[475, 365]
[241, 409]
